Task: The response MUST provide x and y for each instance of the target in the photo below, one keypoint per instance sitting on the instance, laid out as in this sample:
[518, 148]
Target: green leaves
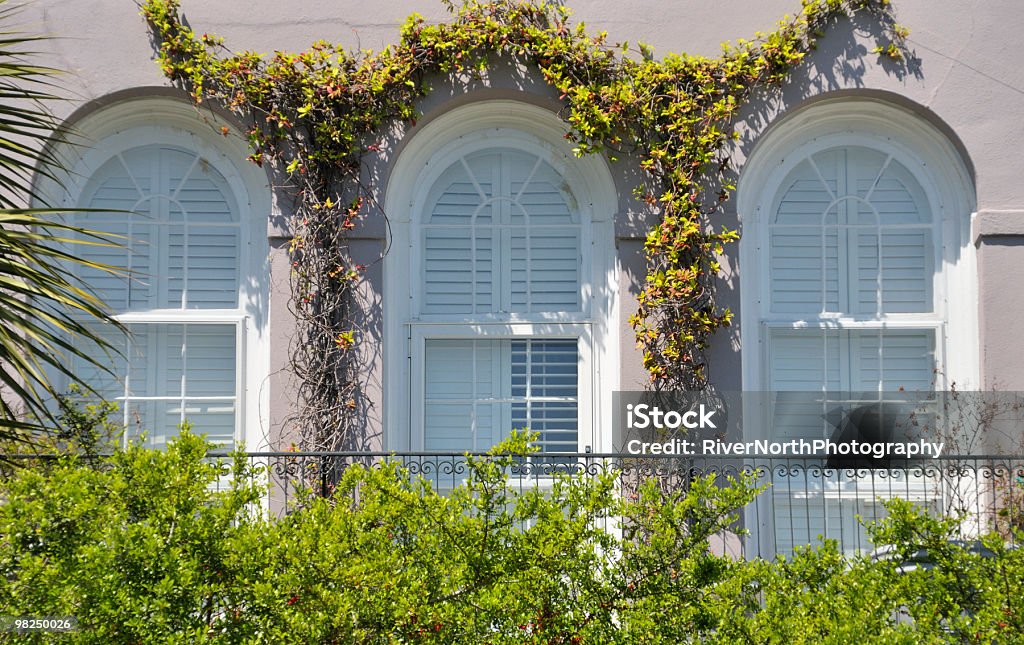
[146, 550]
[45, 313]
[47, 317]
[673, 115]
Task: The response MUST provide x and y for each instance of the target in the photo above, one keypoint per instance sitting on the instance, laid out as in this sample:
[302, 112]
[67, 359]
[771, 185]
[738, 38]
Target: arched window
[500, 237]
[858, 294]
[191, 297]
[504, 291]
[851, 261]
[856, 267]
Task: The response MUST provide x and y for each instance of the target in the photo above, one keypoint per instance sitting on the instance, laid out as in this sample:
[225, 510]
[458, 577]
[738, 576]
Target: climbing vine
[316, 115]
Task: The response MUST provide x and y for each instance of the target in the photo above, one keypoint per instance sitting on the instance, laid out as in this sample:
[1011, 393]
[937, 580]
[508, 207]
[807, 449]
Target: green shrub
[146, 550]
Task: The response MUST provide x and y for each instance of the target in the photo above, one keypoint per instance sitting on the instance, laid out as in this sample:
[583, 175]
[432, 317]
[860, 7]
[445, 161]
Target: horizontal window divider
[847, 324]
[885, 226]
[186, 399]
[487, 225]
[522, 400]
[187, 316]
[449, 322]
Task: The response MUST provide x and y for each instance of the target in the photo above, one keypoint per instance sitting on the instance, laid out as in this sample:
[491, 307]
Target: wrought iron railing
[805, 499]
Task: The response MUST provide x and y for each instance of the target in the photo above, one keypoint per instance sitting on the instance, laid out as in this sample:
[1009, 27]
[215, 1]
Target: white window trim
[939, 168]
[937, 165]
[162, 121]
[461, 131]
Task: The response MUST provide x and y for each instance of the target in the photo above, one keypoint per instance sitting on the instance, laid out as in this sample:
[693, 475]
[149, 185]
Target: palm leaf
[47, 317]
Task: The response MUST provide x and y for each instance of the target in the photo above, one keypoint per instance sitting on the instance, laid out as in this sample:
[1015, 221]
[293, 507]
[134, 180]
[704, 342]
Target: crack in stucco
[954, 60]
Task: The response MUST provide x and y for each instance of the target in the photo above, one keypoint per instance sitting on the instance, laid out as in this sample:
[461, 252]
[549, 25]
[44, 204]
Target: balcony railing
[804, 501]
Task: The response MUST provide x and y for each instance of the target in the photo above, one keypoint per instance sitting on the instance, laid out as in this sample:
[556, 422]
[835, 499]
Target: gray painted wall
[969, 82]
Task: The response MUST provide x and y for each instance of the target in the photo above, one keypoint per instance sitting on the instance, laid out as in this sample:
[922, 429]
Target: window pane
[174, 372]
[182, 231]
[478, 391]
[813, 373]
[500, 235]
[851, 233]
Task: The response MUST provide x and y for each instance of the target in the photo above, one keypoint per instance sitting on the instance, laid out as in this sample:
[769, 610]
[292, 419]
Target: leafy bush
[147, 551]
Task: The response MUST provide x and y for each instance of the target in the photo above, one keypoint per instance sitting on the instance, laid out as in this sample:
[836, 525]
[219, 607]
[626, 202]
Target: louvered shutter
[478, 390]
[850, 234]
[182, 372]
[814, 371]
[501, 236]
[839, 211]
[182, 249]
[500, 209]
[183, 233]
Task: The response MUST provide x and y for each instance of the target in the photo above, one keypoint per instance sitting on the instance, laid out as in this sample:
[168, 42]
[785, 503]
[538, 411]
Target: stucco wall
[968, 80]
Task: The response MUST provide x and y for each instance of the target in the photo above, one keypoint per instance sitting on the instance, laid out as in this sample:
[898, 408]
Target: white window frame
[482, 126]
[167, 122]
[939, 168]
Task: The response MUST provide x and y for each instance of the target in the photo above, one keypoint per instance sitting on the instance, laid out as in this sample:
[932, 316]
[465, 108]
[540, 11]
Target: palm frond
[47, 316]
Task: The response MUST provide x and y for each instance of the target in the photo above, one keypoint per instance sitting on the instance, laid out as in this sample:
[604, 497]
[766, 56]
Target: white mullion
[501, 383]
[526, 182]
[241, 395]
[846, 235]
[184, 371]
[153, 364]
[587, 378]
[879, 282]
[185, 237]
[821, 178]
[860, 336]
[185, 232]
[909, 324]
[879, 286]
[528, 266]
[473, 417]
[890, 226]
[502, 274]
[563, 227]
[878, 178]
[500, 399]
[129, 279]
[881, 362]
[501, 377]
[173, 194]
[160, 240]
[192, 398]
[209, 316]
[126, 388]
[474, 227]
[527, 238]
[529, 384]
